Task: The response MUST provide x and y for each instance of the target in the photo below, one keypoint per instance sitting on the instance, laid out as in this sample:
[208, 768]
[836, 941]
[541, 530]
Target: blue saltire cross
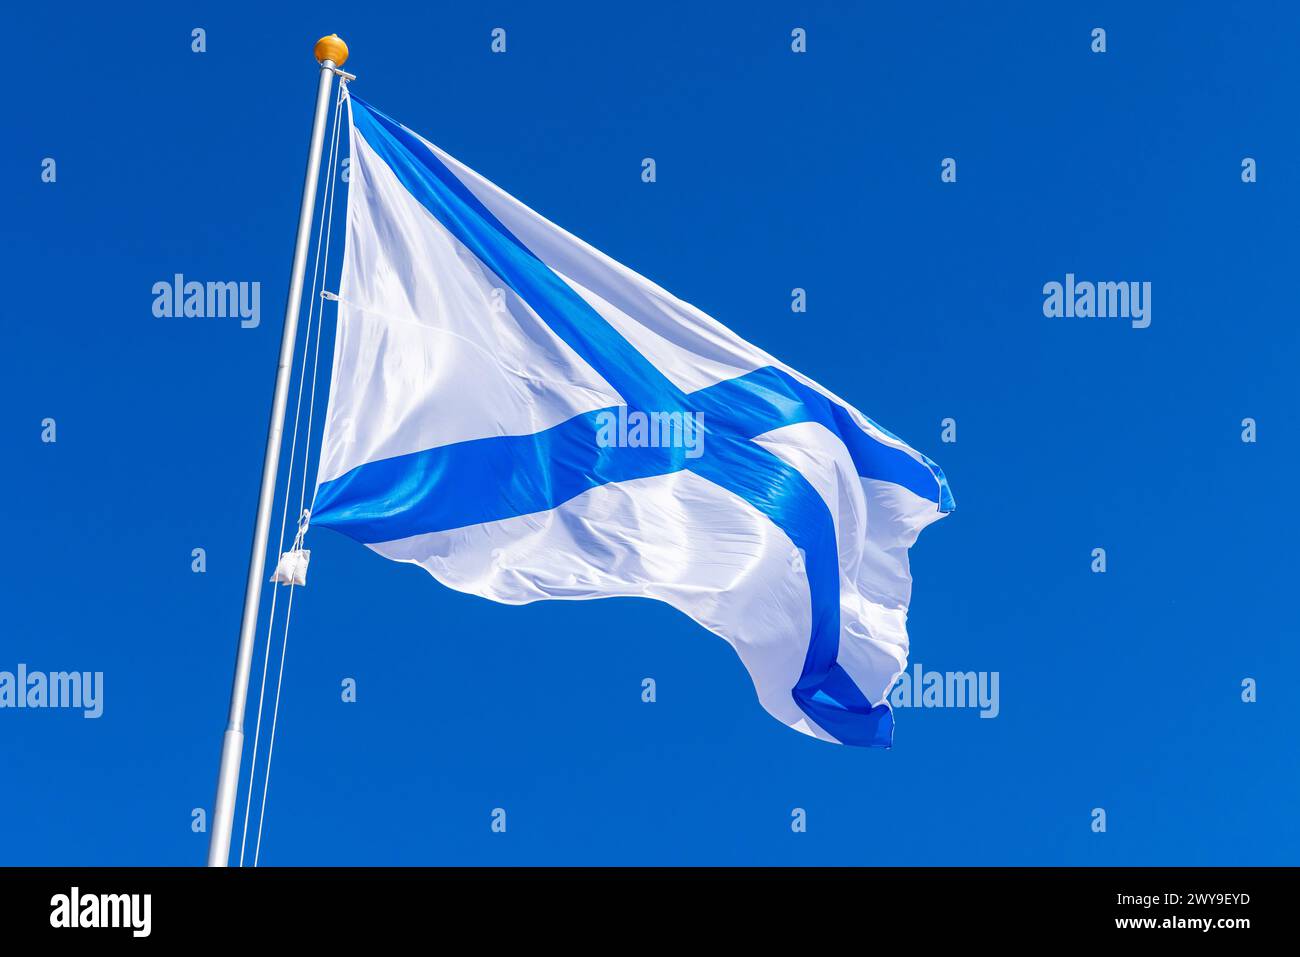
[500, 477]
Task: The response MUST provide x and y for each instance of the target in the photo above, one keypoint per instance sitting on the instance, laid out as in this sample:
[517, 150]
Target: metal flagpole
[331, 52]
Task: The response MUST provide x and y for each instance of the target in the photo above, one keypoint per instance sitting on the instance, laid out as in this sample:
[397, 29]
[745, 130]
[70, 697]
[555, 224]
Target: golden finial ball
[331, 48]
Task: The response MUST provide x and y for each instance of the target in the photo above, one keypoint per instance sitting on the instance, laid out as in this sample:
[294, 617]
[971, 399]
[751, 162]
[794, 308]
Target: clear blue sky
[775, 170]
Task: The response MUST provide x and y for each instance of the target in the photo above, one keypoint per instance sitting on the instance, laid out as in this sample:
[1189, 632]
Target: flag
[526, 418]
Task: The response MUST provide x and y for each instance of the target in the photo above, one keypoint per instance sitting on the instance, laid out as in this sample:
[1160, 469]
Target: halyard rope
[314, 321]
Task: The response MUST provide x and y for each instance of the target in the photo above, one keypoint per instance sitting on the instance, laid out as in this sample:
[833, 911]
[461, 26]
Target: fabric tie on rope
[292, 567]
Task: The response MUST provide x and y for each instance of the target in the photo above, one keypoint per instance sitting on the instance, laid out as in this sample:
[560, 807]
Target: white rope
[315, 362]
[327, 225]
[275, 590]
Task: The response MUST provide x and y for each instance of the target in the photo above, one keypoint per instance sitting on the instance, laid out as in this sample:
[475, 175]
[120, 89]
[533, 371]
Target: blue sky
[775, 170]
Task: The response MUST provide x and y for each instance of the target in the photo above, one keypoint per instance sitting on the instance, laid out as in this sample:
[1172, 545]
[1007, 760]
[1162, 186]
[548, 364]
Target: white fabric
[423, 359]
[291, 569]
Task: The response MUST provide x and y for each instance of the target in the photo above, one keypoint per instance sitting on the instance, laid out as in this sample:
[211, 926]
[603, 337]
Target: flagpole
[331, 52]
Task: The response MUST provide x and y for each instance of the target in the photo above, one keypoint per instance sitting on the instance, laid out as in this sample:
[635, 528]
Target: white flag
[526, 418]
